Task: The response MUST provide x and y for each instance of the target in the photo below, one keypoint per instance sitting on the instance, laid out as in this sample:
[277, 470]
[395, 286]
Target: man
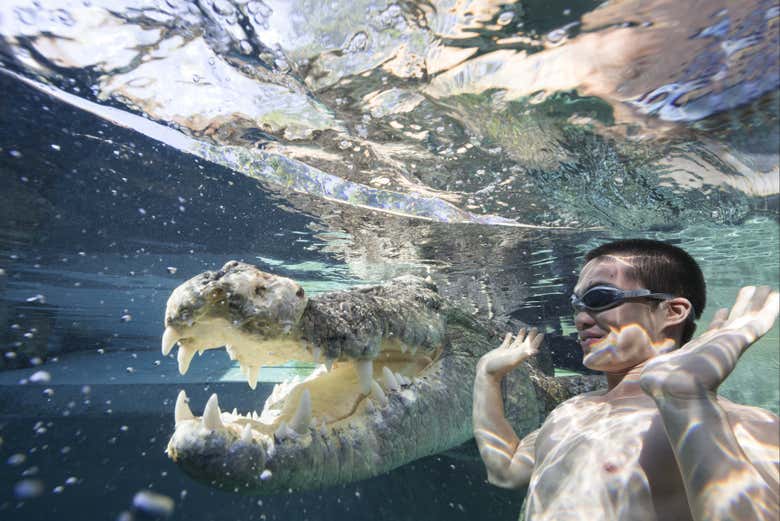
[658, 444]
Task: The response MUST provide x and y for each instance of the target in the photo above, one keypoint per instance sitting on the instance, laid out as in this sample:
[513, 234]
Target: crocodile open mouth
[378, 346]
[335, 392]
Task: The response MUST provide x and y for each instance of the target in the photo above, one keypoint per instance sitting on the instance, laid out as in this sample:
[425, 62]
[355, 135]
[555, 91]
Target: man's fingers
[507, 341]
[537, 342]
[742, 304]
[718, 319]
[759, 299]
[518, 339]
[769, 311]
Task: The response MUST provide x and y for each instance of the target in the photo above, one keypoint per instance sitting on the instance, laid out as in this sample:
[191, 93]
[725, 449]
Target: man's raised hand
[701, 365]
[511, 353]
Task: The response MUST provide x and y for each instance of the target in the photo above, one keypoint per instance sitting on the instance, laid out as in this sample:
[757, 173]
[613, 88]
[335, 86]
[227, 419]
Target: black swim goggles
[599, 298]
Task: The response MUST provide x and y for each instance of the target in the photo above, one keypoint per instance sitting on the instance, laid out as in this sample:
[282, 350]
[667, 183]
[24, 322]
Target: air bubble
[42, 377]
[28, 488]
[152, 504]
[16, 459]
[505, 18]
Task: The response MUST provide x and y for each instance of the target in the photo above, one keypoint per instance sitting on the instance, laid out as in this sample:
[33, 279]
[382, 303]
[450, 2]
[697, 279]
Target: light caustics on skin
[591, 468]
[736, 479]
[699, 367]
[727, 483]
[495, 444]
[611, 347]
[728, 453]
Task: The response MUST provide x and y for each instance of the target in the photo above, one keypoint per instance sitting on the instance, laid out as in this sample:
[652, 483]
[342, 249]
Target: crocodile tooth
[251, 375]
[211, 416]
[329, 363]
[302, 418]
[365, 371]
[184, 356]
[390, 381]
[377, 393]
[316, 352]
[235, 412]
[246, 434]
[403, 348]
[402, 380]
[230, 352]
[181, 411]
[169, 339]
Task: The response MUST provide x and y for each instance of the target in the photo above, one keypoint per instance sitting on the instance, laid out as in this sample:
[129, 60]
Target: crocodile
[393, 384]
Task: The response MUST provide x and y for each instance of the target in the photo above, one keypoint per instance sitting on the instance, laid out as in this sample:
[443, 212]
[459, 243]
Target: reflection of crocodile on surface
[495, 113]
[395, 385]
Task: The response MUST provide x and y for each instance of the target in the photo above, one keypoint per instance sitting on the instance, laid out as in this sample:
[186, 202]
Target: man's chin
[598, 360]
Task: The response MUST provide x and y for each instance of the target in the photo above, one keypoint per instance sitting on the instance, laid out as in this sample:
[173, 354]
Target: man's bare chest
[610, 455]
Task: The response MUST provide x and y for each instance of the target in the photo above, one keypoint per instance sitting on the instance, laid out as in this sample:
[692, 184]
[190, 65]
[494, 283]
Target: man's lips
[588, 339]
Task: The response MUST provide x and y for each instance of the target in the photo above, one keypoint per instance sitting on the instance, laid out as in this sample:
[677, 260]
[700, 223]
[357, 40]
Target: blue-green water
[487, 146]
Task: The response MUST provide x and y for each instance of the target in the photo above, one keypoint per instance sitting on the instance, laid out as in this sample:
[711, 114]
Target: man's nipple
[610, 467]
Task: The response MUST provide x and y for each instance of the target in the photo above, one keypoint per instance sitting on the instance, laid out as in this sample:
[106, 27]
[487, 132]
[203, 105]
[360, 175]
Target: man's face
[621, 337]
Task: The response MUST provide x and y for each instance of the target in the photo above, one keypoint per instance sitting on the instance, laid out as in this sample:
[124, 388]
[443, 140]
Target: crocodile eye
[299, 293]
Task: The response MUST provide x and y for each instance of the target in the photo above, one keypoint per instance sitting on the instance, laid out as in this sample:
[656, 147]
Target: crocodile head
[380, 399]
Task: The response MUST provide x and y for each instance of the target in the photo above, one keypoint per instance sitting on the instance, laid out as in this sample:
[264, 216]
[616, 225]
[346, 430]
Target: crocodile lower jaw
[335, 392]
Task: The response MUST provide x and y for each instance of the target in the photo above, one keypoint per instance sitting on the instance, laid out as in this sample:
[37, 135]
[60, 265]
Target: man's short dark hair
[663, 268]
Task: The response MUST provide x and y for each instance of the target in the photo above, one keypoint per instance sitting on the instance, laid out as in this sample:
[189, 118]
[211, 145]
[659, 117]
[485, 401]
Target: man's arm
[508, 460]
[721, 483]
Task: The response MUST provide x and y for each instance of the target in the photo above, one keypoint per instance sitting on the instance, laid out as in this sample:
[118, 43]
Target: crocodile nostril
[259, 290]
[299, 293]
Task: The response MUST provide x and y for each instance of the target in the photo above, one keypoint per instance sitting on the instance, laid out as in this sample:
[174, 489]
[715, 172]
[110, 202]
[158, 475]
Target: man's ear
[677, 310]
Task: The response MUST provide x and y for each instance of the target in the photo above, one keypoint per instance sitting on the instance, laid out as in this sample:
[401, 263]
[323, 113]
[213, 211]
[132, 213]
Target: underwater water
[487, 145]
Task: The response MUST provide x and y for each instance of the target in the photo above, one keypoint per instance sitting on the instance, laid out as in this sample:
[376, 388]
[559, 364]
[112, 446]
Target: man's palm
[512, 352]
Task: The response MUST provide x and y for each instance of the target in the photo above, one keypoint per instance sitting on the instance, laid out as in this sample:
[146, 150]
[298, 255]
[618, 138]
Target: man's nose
[583, 320]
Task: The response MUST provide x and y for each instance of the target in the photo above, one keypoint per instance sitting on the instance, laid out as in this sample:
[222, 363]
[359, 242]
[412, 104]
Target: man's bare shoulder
[751, 421]
[739, 413]
[757, 432]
